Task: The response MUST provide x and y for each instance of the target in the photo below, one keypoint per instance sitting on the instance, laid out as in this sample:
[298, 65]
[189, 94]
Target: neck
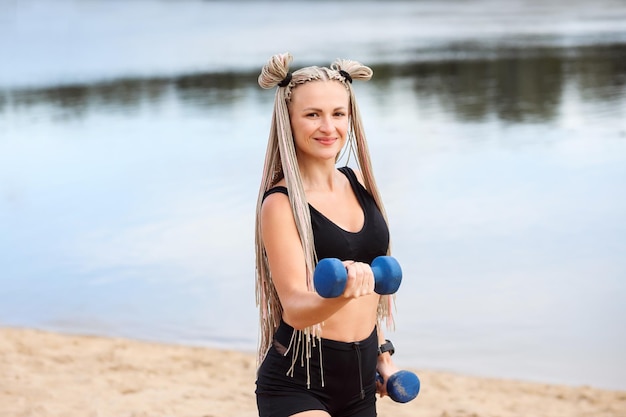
[318, 176]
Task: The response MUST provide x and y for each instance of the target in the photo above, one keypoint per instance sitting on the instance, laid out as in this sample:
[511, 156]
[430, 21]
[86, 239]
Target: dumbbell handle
[330, 276]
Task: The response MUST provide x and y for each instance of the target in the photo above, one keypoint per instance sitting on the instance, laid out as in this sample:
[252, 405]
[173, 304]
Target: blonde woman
[318, 356]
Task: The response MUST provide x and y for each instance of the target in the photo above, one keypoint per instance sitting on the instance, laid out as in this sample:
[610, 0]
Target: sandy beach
[49, 374]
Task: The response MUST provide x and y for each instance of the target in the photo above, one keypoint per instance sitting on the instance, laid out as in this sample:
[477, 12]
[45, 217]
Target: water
[132, 136]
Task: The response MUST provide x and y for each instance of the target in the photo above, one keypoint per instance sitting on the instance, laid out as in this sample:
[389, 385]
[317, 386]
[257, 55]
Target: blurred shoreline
[48, 374]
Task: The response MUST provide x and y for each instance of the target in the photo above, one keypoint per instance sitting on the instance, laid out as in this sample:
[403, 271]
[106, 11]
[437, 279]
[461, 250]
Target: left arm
[385, 366]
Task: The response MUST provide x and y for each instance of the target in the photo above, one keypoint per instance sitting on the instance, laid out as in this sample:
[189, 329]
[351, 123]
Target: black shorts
[349, 372]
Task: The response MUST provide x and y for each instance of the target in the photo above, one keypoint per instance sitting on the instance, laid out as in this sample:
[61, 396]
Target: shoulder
[276, 206]
[275, 190]
[275, 197]
[355, 173]
[359, 176]
[278, 227]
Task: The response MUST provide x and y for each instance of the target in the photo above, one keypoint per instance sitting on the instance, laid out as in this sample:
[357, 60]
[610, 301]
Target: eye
[340, 114]
[312, 114]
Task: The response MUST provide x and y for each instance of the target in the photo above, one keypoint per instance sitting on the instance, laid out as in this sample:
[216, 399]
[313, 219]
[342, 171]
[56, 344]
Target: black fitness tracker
[386, 347]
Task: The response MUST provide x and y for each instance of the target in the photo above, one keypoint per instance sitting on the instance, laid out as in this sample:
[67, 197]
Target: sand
[49, 374]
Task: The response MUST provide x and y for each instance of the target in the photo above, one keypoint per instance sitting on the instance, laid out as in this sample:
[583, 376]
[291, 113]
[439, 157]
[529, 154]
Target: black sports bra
[331, 241]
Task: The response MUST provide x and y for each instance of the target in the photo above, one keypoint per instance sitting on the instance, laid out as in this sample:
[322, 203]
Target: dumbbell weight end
[402, 387]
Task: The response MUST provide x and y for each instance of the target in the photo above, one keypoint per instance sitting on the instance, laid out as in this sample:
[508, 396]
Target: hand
[360, 279]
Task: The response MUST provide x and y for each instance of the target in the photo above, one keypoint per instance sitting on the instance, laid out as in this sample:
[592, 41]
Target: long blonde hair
[281, 162]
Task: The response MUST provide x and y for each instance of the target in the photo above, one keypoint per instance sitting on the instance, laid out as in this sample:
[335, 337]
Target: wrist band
[386, 347]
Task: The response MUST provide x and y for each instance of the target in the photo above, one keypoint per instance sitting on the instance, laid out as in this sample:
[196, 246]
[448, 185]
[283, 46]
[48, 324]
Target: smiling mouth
[326, 141]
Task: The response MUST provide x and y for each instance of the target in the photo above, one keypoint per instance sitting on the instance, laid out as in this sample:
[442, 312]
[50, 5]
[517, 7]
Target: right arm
[301, 307]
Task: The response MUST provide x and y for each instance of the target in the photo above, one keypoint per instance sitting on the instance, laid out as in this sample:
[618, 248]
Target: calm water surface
[132, 137]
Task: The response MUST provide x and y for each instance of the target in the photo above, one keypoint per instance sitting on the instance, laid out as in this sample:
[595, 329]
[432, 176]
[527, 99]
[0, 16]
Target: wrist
[386, 347]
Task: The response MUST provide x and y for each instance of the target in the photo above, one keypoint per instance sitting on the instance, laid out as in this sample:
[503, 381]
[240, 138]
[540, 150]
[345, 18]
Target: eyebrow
[319, 110]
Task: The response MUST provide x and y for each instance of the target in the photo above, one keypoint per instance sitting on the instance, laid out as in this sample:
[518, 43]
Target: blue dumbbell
[402, 387]
[330, 276]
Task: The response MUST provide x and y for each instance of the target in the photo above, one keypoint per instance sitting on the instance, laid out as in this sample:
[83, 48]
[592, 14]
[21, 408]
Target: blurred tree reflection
[514, 85]
[517, 85]
[600, 78]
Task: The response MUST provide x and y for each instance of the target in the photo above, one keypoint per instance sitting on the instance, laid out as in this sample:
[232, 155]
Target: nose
[326, 124]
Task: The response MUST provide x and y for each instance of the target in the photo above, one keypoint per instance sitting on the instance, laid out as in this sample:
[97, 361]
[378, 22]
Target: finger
[367, 279]
[354, 280]
[381, 388]
[352, 283]
[362, 278]
[370, 280]
[346, 264]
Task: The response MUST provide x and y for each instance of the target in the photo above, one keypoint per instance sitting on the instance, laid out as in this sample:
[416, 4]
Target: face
[319, 115]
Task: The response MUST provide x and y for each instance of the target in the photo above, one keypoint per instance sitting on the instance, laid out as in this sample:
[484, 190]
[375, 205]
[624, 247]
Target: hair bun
[275, 70]
[356, 70]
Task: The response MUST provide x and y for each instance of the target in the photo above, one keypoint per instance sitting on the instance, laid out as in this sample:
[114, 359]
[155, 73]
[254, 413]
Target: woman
[318, 356]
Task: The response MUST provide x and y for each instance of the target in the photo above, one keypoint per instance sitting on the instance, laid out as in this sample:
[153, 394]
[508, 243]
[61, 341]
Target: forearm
[306, 309]
[384, 358]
